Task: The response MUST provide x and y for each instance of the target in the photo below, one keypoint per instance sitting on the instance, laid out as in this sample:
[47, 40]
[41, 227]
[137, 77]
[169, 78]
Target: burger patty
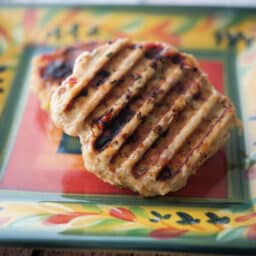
[50, 69]
[146, 115]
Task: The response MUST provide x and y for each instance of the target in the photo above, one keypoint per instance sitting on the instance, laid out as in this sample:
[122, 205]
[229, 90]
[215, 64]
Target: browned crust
[146, 115]
[44, 87]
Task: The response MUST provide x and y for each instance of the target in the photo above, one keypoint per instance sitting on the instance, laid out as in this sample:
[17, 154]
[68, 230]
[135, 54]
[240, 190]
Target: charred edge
[181, 86]
[99, 78]
[70, 105]
[197, 96]
[174, 57]
[158, 129]
[177, 58]
[140, 117]
[195, 70]
[117, 81]
[135, 46]
[162, 133]
[57, 70]
[153, 95]
[153, 50]
[133, 138]
[165, 174]
[62, 67]
[104, 119]
[132, 46]
[138, 172]
[112, 127]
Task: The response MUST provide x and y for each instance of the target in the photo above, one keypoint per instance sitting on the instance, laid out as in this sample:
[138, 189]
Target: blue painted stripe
[252, 118]
[69, 145]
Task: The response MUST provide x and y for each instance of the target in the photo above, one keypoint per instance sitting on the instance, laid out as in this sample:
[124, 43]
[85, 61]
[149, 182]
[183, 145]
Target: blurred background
[244, 3]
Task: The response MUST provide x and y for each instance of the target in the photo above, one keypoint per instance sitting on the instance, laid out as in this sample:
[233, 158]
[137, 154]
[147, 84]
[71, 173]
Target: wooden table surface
[4, 251]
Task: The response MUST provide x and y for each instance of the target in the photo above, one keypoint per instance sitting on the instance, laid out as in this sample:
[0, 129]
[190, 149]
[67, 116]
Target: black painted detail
[215, 219]
[55, 32]
[2, 68]
[186, 219]
[157, 217]
[74, 29]
[93, 31]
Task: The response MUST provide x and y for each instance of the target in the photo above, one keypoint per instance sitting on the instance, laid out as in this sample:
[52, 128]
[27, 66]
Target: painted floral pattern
[159, 223]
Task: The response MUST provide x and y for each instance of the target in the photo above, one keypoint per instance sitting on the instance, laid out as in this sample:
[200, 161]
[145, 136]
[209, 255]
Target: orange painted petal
[166, 233]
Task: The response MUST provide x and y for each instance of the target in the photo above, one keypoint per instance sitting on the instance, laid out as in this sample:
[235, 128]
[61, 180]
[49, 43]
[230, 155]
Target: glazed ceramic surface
[46, 196]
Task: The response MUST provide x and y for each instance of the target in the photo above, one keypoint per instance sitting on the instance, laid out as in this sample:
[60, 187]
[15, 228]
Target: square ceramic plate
[47, 198]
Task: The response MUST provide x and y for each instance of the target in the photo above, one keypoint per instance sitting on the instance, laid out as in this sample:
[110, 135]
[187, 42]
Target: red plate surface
[35, 165]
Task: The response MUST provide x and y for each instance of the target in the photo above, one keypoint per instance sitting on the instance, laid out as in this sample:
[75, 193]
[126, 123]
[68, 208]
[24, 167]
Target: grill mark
[95, 96]
[83, 93]
[152, 90]
[111, 128]
[99, 78]
[126, 60]
[165, 174]
[152, 123]
[198, 155]
[211, 128]
[177, 58]
[183, 135]
[154, 154]
[96, 64]
[182, 60]
[159, 128]
[132, 139]
[139, 172]
[199, 134]
[143, 108]
[128, 88]
[137, 98]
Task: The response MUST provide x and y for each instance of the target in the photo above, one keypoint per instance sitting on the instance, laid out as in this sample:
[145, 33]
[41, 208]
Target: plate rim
[226, 247]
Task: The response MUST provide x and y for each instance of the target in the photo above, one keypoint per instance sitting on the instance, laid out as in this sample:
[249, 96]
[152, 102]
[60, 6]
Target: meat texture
[50, 69]
[146, 115]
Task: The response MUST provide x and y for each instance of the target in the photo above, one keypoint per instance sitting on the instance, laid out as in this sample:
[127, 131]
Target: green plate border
[31, 237]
